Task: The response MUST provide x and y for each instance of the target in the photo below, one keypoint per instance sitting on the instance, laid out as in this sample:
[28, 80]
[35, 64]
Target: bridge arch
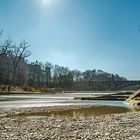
[113, 85]
[127, 85]
[102, 86]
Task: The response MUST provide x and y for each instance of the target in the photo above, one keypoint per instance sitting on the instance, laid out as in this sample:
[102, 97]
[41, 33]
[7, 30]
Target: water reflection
[93, 111]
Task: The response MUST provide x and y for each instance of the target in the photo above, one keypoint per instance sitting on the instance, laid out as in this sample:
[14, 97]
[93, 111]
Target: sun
[46, 2]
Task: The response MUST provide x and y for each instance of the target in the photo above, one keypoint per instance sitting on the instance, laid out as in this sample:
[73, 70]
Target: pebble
[123, 126]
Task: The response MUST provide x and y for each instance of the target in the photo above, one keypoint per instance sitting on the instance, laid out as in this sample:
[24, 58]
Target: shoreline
[12, 112]
[123, 126]
[62, 92]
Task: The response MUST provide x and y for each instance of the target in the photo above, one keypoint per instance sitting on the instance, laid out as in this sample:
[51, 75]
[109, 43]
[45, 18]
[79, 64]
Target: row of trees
[16, 71]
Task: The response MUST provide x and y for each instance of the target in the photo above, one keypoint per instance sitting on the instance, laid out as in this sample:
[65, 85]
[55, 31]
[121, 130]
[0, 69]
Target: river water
[37, 100]
[101, 107]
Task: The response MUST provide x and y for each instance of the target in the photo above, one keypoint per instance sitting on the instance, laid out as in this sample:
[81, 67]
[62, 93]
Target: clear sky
[80, 34]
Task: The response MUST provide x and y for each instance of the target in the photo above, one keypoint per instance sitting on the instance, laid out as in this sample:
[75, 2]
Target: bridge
[112, 85]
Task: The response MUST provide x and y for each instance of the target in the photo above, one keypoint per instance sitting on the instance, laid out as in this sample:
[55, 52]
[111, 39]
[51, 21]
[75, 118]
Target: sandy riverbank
[123, 126]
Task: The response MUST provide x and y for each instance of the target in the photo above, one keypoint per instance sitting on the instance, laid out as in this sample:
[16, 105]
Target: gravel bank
[123, 126]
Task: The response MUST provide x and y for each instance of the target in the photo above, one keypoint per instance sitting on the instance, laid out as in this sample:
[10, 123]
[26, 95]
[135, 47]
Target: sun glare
[46, 2]
[48, 6]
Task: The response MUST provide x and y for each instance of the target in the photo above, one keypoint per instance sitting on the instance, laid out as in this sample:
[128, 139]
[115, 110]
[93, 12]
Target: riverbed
[60, 117]
[124, 126]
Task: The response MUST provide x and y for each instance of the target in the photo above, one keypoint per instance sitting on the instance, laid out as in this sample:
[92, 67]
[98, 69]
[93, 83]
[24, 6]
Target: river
[65, 99]
[37, 100]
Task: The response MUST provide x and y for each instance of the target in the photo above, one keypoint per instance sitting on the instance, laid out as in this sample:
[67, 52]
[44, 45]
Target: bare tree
[5, 67]
[18, 56]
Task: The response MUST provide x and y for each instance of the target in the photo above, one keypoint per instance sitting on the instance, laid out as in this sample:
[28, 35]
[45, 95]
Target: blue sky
[80, 34]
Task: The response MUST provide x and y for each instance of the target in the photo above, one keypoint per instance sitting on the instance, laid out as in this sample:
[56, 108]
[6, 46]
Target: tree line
[16, 70]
